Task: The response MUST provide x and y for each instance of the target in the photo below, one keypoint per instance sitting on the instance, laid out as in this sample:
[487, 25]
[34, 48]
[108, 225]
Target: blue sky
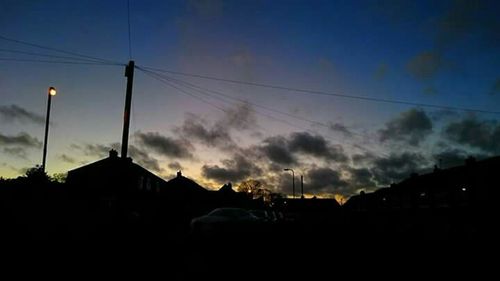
[442, 52]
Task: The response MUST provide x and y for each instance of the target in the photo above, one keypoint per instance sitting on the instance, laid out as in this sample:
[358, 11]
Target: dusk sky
[421, 52]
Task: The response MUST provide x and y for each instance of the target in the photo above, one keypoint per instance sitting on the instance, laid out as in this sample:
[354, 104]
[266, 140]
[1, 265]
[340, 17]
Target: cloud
[397, 167]
[315, 146]
[194, 128]
[363, 159]
[175, 166]
[481, 134]
[381, 71]
[13, 112]
[165, 146]
[425, 66]
[138, 155]
[18, 152]
[242, 117]
[495, 89]
[360, 178]
[276, 150]
[337, 127]
[235, 169]
[22, 140]
[218, 135]
[67, 159]
[284, 150]
[468, 18]
[94, 150]
[411, 126]
[144, 159]
[324, 180]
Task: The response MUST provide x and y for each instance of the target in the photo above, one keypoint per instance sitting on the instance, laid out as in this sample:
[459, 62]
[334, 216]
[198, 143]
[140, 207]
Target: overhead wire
[45, 55]
[322, 93]
[313, 122]
[97, 59]
[166, 80]
[59, 62]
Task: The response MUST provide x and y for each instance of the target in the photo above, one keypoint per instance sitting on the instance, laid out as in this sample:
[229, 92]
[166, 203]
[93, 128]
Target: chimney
[113, 154]
[179, 174]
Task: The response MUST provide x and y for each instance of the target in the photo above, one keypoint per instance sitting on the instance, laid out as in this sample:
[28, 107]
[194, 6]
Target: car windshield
[230, 213]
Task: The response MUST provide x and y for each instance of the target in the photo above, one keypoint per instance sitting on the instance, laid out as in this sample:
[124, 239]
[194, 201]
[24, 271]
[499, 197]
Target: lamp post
[52, 92]
[293, 181]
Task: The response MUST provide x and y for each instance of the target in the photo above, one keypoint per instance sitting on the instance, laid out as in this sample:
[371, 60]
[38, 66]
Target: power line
[313, 122]
[155, 76]
[57, 50]
[297, 90]
[129, 36]
[222, 99]
[58, 62]
[45, 55]
[165, 80]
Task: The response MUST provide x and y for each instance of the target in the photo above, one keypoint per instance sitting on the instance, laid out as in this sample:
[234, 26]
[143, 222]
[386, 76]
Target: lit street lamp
[293, 181]
[52, 92]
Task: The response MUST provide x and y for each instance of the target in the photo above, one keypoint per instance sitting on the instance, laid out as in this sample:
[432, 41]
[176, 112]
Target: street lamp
[52, 92]
[293, 181]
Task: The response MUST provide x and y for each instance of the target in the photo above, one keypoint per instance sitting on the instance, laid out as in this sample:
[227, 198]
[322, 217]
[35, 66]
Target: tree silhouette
[36, 174]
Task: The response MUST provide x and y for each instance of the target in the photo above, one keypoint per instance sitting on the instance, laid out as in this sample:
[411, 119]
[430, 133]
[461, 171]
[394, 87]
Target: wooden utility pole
[129, 73]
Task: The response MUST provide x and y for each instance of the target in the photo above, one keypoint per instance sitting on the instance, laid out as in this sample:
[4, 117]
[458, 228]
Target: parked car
[225, 222]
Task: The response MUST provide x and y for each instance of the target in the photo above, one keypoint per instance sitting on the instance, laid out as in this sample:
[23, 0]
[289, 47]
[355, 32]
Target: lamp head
[52, 91]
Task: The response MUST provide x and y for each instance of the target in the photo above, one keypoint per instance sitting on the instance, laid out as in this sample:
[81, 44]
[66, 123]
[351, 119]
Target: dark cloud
[276, 150]
[144, 159]
[67, 159]
[495, 89]
[165, 146]
[98, 150]
[363, 159]
[482, 134]
[236, 169]
[410, 126]
[469, 19]
[242, 117]
[21, 140]
[337, 127]
[425, 65]
[284, 150]
[194, 128]
[381, 71]
[218, 135]
[323, 180]
[19, 152]
[94, 150]
[360, 178]
[450, 157]
[175, 166]
[16, 113]
[397, 167]
[443, 114]
[315, 146]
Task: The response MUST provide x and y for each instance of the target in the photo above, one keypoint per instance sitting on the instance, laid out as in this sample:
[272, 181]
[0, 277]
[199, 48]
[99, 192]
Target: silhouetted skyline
[442, 53]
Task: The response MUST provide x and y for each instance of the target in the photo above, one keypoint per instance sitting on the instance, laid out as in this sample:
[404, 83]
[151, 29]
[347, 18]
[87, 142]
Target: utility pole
[302, 186]
[129, 73]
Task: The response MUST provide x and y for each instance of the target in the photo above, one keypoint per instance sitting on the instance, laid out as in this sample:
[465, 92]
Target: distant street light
[52, 92]
[293, 181]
